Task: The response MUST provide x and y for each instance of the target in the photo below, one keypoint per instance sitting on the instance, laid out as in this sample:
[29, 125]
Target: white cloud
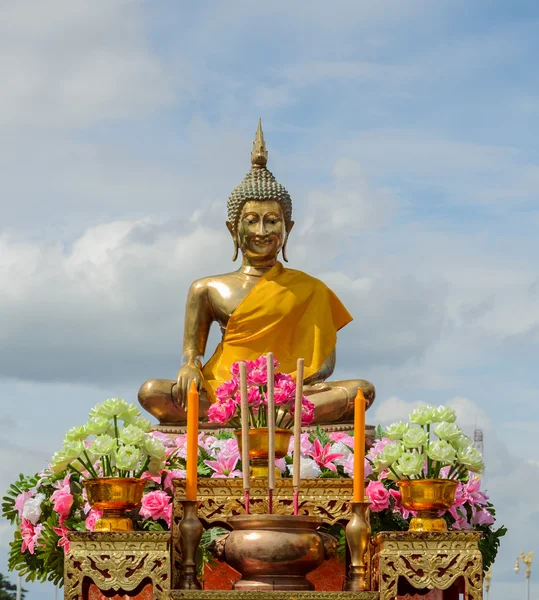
[71, 62]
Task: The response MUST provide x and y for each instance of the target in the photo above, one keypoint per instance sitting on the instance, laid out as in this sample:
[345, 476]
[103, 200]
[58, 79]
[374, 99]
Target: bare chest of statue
[226, 293]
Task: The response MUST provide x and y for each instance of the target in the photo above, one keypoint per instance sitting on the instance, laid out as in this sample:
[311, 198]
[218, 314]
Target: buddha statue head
[259, 209]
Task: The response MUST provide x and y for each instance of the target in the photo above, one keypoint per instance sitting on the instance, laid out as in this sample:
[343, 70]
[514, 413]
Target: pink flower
[377, 447]
[378, 496]
[307, 411]
[348, 465]
[258, 377]
[305, 444]
[62, 502]
[156, 505]
[235, 368]
[472, 492]
[63, 542]
[174, 474]
[91, 519]
[482, 517]
[344, 438]
[284, 393]
[280, 463]
[227, 389]
[323, 456]
[397, 497]
[221, 411]
[154, 478]
[163, 438]
[254, 398]
[30, 534]
[224, 466]
[227, 447]
[21, 499]
[461, 524]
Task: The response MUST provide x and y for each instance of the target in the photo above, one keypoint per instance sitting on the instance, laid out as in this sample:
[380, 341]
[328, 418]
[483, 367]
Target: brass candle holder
[358, 535]
[191, 530]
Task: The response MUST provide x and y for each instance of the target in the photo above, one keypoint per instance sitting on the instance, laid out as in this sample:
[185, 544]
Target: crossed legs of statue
[334, 400]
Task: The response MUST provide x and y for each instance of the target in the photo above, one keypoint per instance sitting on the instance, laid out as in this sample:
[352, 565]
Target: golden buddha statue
[262, 307]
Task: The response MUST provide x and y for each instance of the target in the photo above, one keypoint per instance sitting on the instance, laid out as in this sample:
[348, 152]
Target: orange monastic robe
[288, 313]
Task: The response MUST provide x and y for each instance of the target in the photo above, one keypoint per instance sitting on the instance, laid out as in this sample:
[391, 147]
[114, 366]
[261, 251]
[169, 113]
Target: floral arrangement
[227, 409]
[103, 448]
[412, 453]
[46, 506]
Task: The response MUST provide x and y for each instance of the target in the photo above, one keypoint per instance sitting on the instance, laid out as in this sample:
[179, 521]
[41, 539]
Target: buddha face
[261, 230]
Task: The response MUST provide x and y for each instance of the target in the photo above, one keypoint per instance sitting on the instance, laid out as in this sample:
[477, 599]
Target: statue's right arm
[198, 319]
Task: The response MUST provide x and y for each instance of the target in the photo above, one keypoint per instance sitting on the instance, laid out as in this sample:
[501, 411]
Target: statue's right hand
[186, 375]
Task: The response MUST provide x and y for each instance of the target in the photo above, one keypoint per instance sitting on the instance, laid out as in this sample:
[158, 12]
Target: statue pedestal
[121, 563]
[403, 562]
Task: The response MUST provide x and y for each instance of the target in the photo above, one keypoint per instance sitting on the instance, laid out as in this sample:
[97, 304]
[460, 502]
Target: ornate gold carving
[427, 560]
[265, 595]
[117, 561]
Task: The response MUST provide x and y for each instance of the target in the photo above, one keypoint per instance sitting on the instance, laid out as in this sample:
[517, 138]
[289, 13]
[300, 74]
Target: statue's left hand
[186, 375]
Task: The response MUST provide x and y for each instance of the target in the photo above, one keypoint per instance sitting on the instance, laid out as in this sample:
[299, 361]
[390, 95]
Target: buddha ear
[288, 230]
[234, 235]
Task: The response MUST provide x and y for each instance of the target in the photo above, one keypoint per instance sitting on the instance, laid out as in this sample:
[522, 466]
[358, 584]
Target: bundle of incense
[245, 435]
[297, 432]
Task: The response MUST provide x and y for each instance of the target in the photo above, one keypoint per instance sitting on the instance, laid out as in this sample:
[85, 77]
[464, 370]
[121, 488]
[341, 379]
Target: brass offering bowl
[427, 497]
[258, 448]
[114, 496]
[274, 552]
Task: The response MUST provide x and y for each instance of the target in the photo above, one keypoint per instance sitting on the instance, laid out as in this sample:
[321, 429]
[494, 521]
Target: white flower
[97, 425]
[142, 423]
[73, 450]
[389, 454]
[155, 466]
[76, 434]
[410, 464]
[442, 452]
[59, 462]
[444, 414]
[308, 469]
[155, 448]
[340, 448]
[448, 431]
[414, 438]
[110, 408]
[31, 509]
[103, 445]
[471, 458]
[127, 458]
[463, 441]
[132, 435]
[130, 414]
[395, 431]
[423, 415]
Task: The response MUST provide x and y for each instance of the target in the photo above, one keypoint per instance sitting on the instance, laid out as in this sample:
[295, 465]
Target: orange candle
[192, 443]
[359, 447]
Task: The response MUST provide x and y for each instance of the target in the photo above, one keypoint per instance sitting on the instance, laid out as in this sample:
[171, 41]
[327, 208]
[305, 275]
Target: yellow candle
[192, 443]
[359, 447]
[270, 396]
[297, 423]
[244, 427]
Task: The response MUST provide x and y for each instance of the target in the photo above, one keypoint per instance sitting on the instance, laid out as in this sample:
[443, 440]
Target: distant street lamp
[527, 560]
[488, 577]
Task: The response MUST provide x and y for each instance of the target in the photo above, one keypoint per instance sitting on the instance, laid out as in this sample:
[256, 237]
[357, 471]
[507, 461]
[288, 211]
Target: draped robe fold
[288, 313]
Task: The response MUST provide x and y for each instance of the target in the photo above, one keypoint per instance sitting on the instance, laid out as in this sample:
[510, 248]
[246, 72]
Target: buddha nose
[261, 229]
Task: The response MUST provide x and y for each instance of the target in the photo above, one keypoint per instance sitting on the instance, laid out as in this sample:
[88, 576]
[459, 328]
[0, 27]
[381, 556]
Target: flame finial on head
[259, 154]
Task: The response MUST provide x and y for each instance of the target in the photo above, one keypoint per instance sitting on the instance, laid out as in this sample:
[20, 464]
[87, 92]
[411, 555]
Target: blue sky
[406, 134]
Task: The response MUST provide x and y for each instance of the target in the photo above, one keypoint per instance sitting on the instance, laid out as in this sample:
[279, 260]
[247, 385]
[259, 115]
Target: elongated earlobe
[288, 230]
[235, 255]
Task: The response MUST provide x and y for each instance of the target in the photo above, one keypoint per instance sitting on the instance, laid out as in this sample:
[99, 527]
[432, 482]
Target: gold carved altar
[121, 563]
[427, 561]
